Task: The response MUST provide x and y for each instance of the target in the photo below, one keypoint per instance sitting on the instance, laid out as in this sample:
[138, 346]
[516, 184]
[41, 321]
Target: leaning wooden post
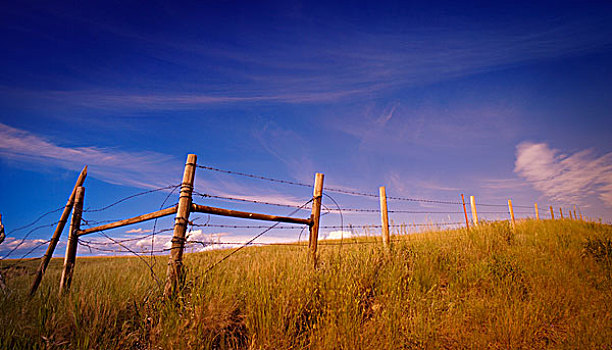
[317, 195]
[56, 235]
[73, 241]
[467, 222]
[174, 274]
[384, 215]
[570, 214]
[537, 211]
[575, 216]
[552, 213]
[474, 214]
[561, 213]
[511, 213]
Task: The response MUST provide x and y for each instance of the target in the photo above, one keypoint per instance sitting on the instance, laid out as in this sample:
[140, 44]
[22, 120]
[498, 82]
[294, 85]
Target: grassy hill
[548, 284]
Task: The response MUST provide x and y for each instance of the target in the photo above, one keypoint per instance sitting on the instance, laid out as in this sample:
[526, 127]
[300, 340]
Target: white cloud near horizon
[138, 169]
[138, 230]
[569, 178]
[337, 235]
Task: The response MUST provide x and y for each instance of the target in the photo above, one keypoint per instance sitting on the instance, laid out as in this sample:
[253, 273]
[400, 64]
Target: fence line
[185, 206]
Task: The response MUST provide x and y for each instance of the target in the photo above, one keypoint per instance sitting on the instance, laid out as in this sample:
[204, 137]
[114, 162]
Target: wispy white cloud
[338, 61]
[139, 169]
[503, 184]
[569, 178]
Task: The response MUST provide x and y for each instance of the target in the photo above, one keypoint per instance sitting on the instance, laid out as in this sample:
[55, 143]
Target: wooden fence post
[56, 235]
[552, 213]
[73, 241]
[474, 214]
[174, 274]
[570, 214]
[317, 195]
[467, 222]
[511, 213]
[575, 216]
[537, 212]
[580, 213]
[384, 215]
[561, 213]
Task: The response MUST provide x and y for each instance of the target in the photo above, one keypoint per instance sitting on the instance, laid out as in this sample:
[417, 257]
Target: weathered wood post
[552, 213]
[384, 215]
[570, 214]
[56, 235]
[73, 241]
[467, 222]
[317, 195]
[174, 274]
[474, 213]
[537, 212]
[511, 213]
[561, 213]
[2, 235]
[1, 230]
[575, 216]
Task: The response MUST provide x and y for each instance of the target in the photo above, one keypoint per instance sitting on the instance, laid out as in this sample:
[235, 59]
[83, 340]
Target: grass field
[546, 285]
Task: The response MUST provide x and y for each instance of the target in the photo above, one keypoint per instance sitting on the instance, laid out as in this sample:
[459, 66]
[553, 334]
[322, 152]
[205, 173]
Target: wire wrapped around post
[73, 241]
[384, 216]
[174, 274]
[315, 216]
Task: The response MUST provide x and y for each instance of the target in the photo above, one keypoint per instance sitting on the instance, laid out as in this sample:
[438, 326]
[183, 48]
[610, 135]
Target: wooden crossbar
[242, 214]
[125, 222]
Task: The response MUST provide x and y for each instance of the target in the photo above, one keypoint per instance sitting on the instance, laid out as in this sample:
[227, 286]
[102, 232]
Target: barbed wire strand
[152, 261]
[89, 210]
[331, 189]
[153, 275]
[20, 259]
[36, 220]
[25, 237]
[250, 241]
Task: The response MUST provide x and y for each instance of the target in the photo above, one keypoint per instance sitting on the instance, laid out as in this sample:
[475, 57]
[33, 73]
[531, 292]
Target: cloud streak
[335, 62]
[569, 178]
[139, 169]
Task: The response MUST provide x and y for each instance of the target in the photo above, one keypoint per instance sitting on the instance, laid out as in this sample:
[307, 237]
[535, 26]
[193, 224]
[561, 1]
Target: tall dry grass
[546, 285]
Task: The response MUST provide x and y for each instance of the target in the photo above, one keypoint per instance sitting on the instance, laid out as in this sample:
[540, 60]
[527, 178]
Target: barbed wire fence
[433, 208]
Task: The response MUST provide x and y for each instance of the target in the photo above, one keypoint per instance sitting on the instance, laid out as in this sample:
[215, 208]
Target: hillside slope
[546, 285]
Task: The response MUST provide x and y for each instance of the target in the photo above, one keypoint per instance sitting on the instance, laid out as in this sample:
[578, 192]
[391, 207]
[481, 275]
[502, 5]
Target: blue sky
[497, 100]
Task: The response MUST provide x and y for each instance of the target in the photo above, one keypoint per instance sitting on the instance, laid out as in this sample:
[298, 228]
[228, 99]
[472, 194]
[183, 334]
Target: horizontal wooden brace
[242, 214]
[136, 219]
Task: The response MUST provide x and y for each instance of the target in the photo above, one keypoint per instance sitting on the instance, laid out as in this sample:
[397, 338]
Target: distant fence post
[467, 222]
[575, 216]
[317, 195]
[561, 213]
[56, 235]
[511, 213]
[474, 213]
[537, 212]
[174, 273]
[580, 213]
[570, 214]
[73, 241]
[384, 215]
[552, 213]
